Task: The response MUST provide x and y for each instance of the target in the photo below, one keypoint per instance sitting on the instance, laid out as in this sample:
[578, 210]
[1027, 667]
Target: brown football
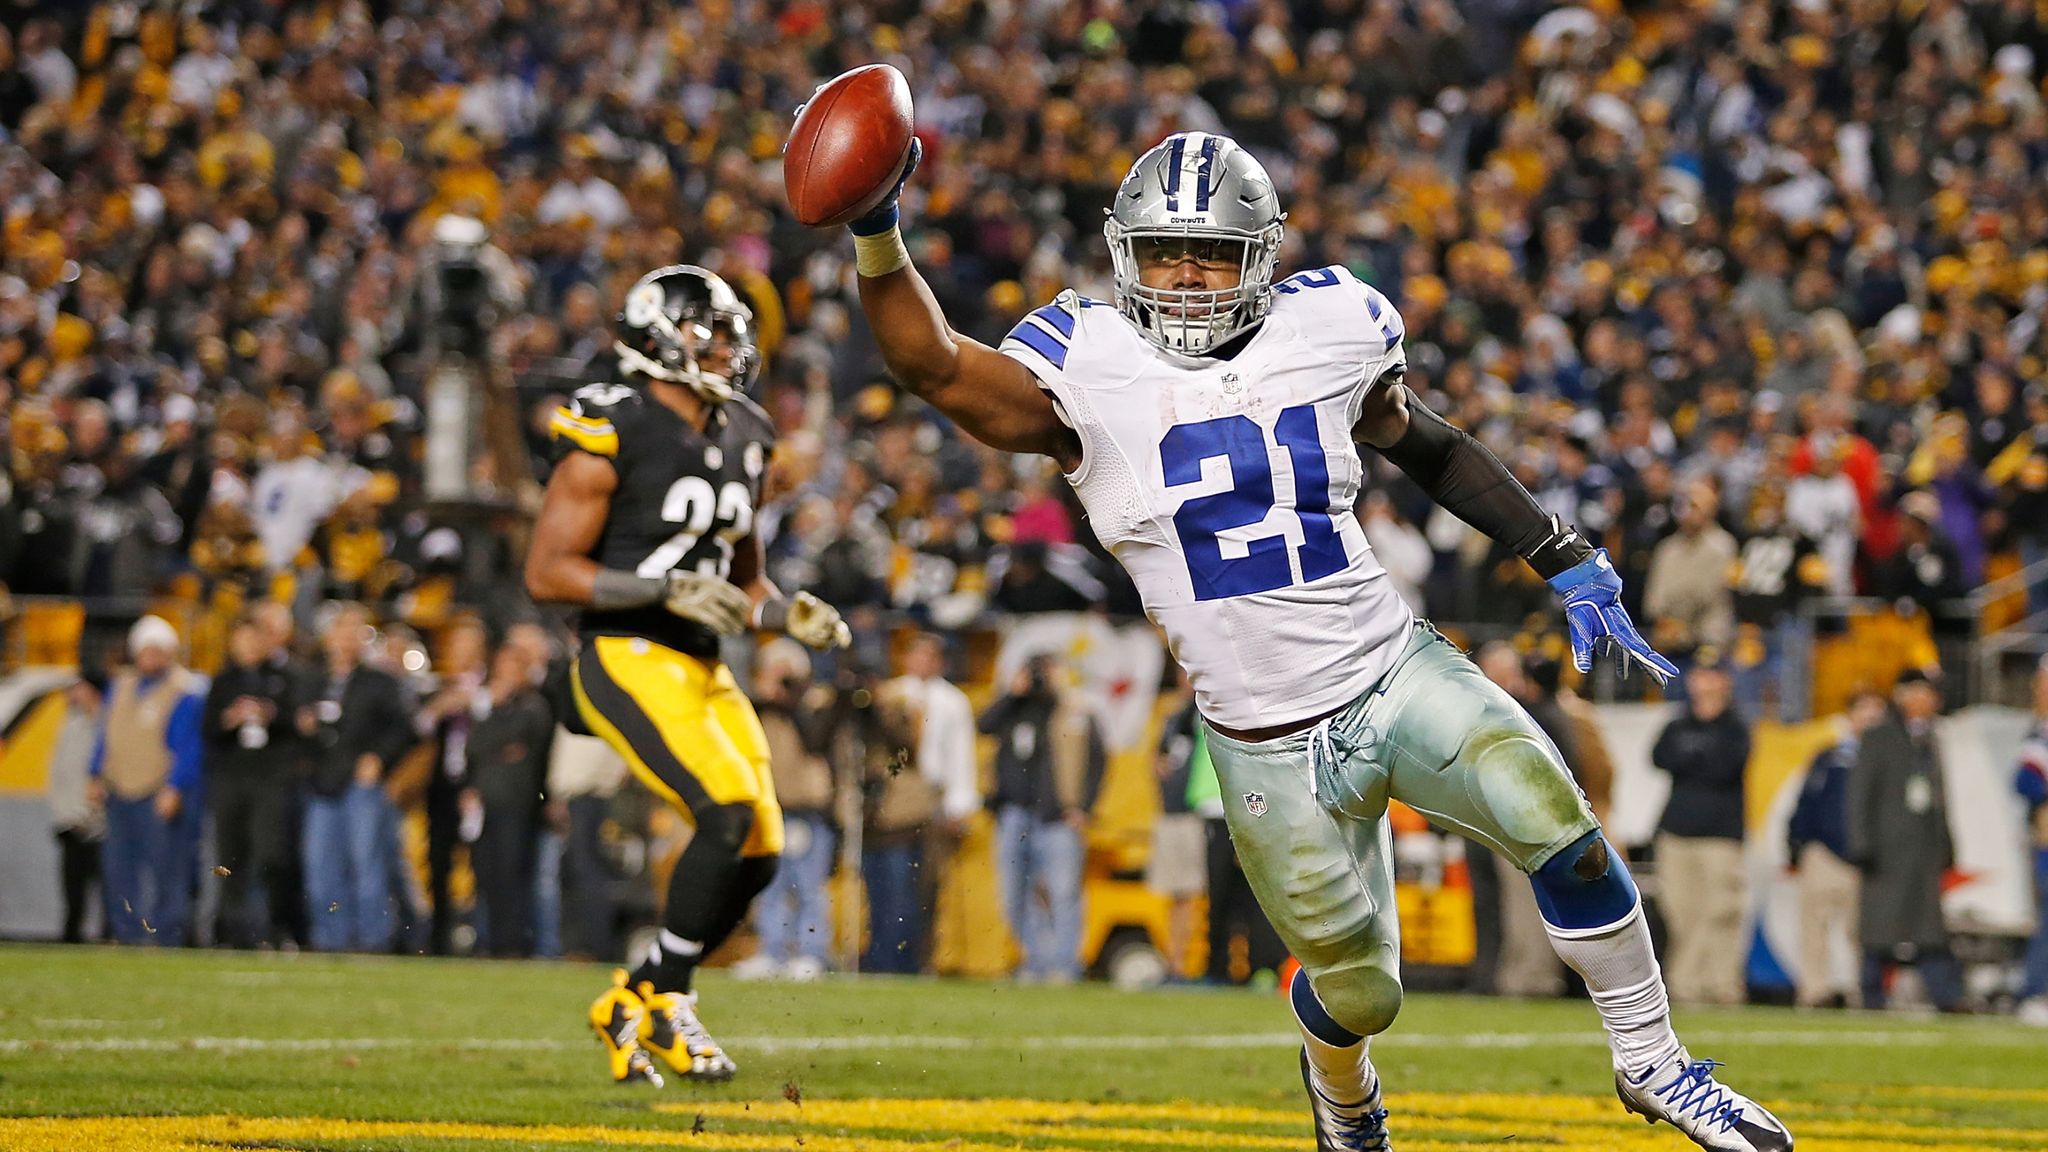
[847, 146]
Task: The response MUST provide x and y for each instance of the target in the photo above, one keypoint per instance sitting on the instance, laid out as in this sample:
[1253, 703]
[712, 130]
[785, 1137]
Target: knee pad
[723, 827]
[1363, 1000]
[1585, 887]
[1526, 792]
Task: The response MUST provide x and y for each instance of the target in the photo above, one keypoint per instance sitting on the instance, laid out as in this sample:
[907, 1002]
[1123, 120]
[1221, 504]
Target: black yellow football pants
[683, 726]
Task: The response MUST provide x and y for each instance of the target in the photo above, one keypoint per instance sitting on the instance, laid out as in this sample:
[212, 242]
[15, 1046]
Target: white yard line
[1815, 1038]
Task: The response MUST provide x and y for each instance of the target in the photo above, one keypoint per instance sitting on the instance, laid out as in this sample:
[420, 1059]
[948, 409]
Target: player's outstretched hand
[1591, 592]
[816, 624]
[885, 215]
[709, 600]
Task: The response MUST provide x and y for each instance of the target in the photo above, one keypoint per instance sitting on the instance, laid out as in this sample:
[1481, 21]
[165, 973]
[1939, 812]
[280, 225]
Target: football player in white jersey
[1212, 421]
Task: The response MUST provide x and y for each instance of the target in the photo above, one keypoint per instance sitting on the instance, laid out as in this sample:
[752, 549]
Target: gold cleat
[618, 1017]
[671, 1030]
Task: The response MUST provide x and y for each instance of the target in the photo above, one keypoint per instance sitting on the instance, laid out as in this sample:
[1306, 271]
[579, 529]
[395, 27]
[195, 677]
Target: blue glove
[883, 216]
[1592, 611]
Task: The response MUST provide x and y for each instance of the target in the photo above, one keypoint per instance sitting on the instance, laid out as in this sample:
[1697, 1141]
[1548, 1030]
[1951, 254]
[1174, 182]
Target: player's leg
[1458, 749]
[652, 705]
[761, 855]
[1325, 881]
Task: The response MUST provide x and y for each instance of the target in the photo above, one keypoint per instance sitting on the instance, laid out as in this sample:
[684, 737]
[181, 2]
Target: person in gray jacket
[1899, 839]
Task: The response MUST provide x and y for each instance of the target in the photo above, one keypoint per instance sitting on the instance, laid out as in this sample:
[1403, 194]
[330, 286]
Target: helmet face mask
[1200, 199]
[684, 325]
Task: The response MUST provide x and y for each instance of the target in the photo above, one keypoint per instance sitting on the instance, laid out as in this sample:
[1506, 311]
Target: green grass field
[107, 1049]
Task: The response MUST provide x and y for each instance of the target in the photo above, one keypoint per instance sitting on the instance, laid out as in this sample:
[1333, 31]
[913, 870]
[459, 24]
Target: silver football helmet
[1195, 196]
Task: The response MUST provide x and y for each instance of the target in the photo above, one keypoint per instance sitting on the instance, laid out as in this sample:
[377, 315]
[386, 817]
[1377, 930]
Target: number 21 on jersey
[1243, 444]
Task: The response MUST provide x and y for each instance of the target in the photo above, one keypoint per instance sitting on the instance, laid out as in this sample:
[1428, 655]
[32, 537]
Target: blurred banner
[32, 707]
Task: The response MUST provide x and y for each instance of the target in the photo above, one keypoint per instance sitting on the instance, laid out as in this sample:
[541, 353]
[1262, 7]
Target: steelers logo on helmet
[685, 325]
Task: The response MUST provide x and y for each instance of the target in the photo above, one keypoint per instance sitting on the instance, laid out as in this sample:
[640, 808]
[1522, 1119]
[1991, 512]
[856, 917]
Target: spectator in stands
[2022, 470]
[1687, 596]
[503, 802]
[1777, 568]
[1924, 573]
[446, 720]
[1177, 867]
[292, 493]
[1701, 882]
[1049, 764]
[1821, 504]
[1899, 839]
[250, 712]
[359, 722]
[792, 917]
[2031, 782]
[150, 770]
[77, 818]
[1817, 851]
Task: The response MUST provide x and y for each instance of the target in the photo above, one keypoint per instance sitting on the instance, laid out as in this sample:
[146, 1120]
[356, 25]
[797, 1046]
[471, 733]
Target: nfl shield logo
[1255, 803]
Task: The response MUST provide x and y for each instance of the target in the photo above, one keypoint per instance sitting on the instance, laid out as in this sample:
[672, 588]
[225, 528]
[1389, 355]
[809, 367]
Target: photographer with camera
[1049, 764]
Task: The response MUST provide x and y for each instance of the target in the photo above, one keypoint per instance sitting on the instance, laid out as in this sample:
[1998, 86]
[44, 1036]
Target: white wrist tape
[880, 254]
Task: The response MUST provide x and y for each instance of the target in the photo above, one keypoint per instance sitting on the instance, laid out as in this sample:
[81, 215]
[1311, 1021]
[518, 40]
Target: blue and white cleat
[1683, 1093]
[1360, 1127]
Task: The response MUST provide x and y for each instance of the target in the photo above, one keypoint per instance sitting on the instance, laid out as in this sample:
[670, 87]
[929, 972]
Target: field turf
[107, 1049]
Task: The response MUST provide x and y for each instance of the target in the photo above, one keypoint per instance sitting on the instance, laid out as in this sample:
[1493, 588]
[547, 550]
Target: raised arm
[991, 397]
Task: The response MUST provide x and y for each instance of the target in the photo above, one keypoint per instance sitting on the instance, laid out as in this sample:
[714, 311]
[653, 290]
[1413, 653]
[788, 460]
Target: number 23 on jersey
[691, 503]
[1243, 445]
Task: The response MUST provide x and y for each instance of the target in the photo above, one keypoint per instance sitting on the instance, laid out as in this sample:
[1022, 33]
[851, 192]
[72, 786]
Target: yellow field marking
[208, 1133]
[1572, 1121]
[1429, 1122]
[1984, 1095]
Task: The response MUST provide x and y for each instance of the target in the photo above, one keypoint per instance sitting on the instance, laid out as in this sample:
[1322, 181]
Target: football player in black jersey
[648, 524]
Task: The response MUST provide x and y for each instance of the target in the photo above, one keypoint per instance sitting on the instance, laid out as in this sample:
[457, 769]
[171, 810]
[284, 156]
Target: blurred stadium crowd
[1751, 291]
[1777, 270]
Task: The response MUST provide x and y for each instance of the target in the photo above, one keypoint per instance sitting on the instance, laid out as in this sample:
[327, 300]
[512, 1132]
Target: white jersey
[1225, 488]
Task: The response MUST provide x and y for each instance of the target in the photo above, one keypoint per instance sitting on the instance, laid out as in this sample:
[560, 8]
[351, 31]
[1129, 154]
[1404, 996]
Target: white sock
[1345, 1074]
[1620, 971]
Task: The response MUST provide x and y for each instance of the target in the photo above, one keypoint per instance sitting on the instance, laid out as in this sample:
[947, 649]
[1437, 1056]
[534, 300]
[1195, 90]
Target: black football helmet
[674, 321]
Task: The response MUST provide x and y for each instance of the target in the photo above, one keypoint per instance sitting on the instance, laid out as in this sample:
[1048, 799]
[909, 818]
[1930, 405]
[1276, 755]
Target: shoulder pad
[587, 420]
[1379, 311]
[749, 417]
[597, 401]
[1049, 331]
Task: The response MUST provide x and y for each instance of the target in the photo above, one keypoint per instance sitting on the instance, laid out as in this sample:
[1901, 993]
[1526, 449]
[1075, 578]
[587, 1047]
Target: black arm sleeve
[1460, 474]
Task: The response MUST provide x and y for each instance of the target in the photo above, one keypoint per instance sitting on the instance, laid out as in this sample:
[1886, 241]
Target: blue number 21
[1242, 443]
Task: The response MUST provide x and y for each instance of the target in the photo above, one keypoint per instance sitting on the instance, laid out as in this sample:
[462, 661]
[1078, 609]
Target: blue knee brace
[1586, 886]
[1315, 1018]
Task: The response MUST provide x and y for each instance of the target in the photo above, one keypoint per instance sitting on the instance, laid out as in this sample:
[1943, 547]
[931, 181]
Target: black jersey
[684, 499]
